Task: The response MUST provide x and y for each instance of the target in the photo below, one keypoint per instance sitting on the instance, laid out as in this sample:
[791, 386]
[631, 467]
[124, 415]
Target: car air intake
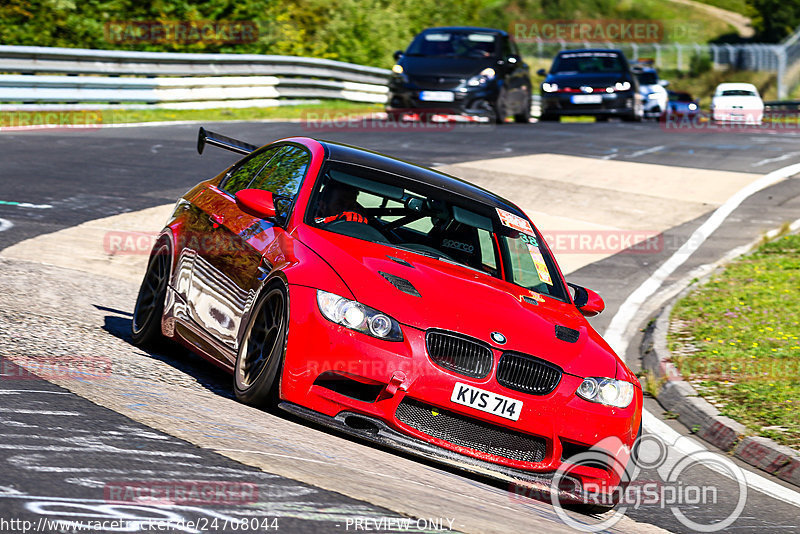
[527, 374]
[570, 335]
[459, 353]
[471, 433]
[400, 283]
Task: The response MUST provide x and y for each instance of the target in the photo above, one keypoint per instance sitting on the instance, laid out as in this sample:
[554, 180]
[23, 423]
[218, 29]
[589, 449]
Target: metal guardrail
[87, 79]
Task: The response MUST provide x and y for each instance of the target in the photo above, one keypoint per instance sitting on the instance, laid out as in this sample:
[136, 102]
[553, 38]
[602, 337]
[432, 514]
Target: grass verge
[319, 111]
[736, 340]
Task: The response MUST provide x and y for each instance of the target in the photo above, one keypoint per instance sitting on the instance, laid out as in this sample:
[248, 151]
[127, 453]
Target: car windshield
[680, 97]
[737, 92]
[647, 78]
[587, 62]
[455, 44]
[383, 208]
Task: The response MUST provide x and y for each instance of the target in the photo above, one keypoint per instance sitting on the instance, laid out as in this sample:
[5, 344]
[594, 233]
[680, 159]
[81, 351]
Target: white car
[737, 102]
[653, 91]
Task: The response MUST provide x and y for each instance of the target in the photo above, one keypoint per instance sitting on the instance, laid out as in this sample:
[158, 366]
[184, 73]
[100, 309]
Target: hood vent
[567, 334]
[401, 283]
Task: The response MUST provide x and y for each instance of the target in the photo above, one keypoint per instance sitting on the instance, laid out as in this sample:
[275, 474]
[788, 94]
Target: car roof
[365, 158]
[465, 28]
[730, 85]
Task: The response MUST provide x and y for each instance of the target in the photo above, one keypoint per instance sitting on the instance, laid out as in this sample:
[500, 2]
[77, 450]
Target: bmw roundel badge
[498, 338]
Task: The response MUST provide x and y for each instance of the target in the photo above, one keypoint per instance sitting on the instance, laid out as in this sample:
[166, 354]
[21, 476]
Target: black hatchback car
[591, 82]
[461, 70]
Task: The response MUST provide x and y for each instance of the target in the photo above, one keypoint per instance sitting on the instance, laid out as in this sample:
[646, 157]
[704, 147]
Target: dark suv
[461, 70]
[591, 82]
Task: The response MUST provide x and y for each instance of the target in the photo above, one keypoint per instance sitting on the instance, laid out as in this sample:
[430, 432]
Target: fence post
[781, 53]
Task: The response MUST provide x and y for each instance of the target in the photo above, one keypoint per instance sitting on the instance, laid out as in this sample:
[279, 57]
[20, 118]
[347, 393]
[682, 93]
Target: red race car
[395, 303]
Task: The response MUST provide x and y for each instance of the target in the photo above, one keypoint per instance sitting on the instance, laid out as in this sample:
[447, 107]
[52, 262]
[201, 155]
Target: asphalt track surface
[88, 174]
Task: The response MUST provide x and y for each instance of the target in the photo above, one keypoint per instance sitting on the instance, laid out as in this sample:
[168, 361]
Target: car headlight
[622, 86]
[549, 87]
[606, 391]
[482, 77]
[692, 106]
[653, 96]
[356, 316]
[397, 69]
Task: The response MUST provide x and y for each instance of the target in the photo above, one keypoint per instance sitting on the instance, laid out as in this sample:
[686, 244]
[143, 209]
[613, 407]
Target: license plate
[587, 99]
[486, 401]
[436, 96]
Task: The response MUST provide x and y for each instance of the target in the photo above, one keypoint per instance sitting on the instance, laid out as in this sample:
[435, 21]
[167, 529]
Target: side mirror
[587, 301]
[663, 83]
[397, 55]
[541, 72]
[256, 202]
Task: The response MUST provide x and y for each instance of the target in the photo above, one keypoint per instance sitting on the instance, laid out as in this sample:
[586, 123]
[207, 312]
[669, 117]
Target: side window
[244, 173]
[284, 173]
[283, 176]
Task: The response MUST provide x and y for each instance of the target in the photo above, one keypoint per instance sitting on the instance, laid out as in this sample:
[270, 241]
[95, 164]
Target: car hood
[593, 80]
[460, 299]
[444, 66]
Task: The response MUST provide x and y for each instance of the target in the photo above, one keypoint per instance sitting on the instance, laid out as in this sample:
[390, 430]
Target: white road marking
[25, 205]
[686, 446]
[613, 154]
[38, 412]
[17, 391]
[784, 157]
[647, 151]
[615, 334]
[5, 225]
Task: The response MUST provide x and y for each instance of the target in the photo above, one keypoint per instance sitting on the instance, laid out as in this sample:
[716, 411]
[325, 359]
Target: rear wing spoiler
[204, 137]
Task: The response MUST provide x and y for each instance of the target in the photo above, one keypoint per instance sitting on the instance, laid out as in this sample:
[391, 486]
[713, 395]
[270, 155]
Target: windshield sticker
[438, 37]
[541, 266]
[529, 239]
[481, 37]
[515, 222]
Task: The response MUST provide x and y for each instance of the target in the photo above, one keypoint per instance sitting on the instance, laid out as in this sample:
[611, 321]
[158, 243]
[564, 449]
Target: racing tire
[524, 116]
[256, 376]
[499, 109]
[149, 309]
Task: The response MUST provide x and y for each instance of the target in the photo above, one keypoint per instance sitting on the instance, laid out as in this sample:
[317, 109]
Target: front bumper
[383, 374]
[612, 104]
[404, 97]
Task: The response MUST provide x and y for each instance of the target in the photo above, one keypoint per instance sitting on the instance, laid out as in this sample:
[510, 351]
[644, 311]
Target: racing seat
[459, 241]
